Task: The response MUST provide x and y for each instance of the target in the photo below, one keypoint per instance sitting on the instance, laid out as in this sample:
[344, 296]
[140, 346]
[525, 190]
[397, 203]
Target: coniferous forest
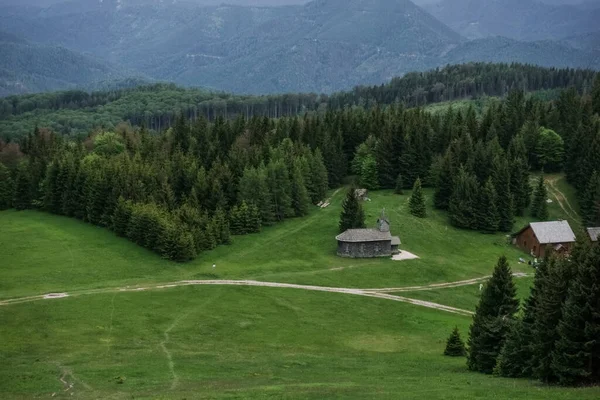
[187, 189]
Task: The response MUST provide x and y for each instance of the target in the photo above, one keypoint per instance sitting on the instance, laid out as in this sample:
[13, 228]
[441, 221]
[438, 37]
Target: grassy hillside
[245, 342]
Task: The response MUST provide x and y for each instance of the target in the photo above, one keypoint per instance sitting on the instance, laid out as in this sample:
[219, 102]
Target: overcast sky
[258, 2]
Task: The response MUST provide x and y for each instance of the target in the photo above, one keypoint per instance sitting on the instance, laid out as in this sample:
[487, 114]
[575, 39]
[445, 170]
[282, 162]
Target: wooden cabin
[539, 237]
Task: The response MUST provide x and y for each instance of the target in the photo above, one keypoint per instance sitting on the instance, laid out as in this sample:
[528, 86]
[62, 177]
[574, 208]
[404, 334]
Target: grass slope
[242, 342]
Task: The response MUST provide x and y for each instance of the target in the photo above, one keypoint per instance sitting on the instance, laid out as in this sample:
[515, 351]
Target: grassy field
[245, 342]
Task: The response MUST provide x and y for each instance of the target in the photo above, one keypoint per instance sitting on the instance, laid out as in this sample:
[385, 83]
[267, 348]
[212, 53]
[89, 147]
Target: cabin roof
[363, 235]
[551, 232]
[594, 234]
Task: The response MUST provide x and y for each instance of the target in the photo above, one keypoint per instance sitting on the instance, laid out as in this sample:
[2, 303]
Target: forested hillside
[322, 46]
[27, 67]
[156, 107]
[185, 191]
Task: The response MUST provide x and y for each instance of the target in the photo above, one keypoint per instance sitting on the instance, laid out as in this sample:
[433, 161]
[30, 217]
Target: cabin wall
[528, 242]
[365, 249]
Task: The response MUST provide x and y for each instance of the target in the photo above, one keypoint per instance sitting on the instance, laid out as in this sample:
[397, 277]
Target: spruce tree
[550, 299]
[280, 189]
[319, 178]
[399, 185]
[487, 212]
[22, 200]
[121, 217]
[416, 203]
[539, 207]
[576, 358]
[369, 177]
[455, 347]
[590, 202]
[501, 178]
[515, 359]
[463, 202]
[352, 216]
[445, 184]
[519, 186]
[492, 319]
[6, 188]
[237, 221]
[253, 220]
[300, 199]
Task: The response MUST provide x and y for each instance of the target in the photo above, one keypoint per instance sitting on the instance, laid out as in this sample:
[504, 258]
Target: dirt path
[562, 200]
[382, 293]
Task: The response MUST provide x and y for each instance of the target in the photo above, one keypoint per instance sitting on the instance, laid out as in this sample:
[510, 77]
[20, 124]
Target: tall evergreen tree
[300, 198]
[279, 186]
[550, 299]
[445, 183]
[319, 177]
[416, 203]
[487, 212]
[492, 320]
[501, 178]
[369, 177]
[539, 207]
[590, 203]
[576, 358]
[121, 217]
[463, 202]
[520, 187]
[6, 188]
[23, 191]
[352, 216]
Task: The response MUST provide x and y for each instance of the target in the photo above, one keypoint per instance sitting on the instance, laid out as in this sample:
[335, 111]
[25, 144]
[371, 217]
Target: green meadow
[237, 342]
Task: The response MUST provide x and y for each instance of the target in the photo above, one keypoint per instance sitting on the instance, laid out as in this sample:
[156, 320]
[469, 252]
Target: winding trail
[382, 293]
[562, 200]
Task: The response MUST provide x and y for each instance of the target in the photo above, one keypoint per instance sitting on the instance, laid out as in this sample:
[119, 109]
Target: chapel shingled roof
[363, 235]
[552, 232]
[594, 234]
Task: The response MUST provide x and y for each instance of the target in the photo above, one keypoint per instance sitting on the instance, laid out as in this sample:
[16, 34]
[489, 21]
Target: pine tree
[280, 189]
[519, 186]
[253, 189]
[576, 358]
[300, 199]
[399, 185]
[352, 216]
[550, 299]
[416, 203]
[369, 177]
[253, 220]
[492, 319]
[121, 217]
[22, 200]
[463, 202]
[237, 221]
[6, 188]
[222, 227]
[455, 347]
[501, 178]
[487, 212]
[319, 178]
[516, 356]
[445, 184]
[539, 207]
[590, 203]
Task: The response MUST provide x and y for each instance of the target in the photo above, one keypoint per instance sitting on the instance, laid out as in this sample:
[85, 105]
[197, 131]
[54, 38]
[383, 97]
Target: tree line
[157, 106]
[555, 337]
[273, 168]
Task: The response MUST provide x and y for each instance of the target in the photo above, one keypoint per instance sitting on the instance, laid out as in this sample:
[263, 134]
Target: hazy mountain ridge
[528, 20]
[28, 67]
[322, 46]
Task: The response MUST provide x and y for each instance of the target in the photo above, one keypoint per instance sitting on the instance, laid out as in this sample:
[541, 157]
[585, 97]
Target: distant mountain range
[321, 46]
